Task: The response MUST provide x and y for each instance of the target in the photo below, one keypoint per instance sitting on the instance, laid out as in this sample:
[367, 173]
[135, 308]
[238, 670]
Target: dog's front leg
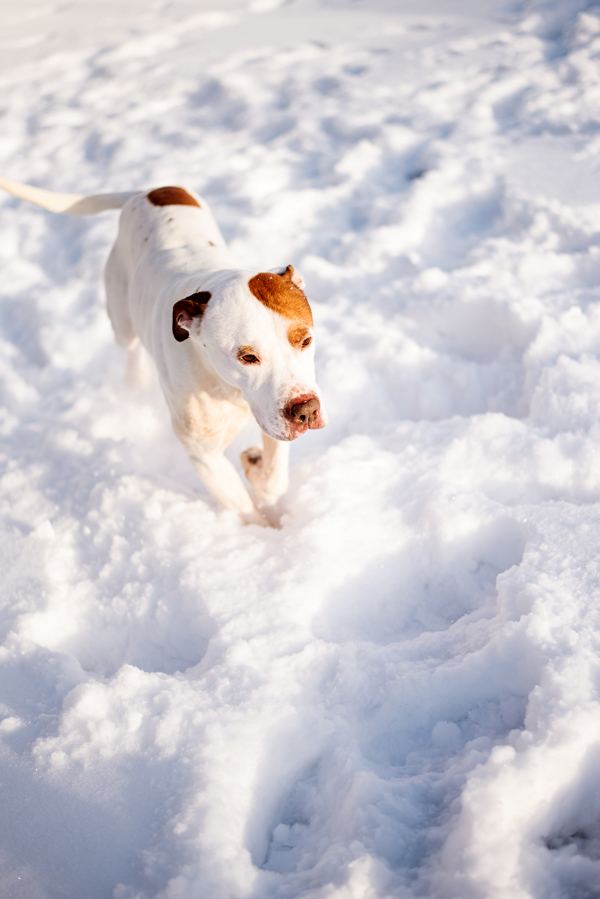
[267, 469]
[223, 482]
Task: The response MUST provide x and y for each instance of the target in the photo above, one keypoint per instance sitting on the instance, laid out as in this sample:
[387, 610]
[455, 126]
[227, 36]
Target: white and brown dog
[227, 343]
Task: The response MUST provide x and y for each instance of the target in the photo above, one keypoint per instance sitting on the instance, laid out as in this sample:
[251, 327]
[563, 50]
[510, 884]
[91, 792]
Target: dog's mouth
[300, 414]
[303, 414]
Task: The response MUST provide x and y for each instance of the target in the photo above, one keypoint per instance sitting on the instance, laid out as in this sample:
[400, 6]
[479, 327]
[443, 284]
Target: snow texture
[395, 694]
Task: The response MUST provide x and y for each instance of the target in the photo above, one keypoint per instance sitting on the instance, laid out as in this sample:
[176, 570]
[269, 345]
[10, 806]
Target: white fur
[163, 254]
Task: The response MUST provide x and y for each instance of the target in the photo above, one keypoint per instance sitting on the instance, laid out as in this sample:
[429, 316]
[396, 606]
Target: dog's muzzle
[303, 414]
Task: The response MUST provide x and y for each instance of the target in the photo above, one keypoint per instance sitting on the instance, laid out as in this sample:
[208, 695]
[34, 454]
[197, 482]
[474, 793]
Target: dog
[228, 343]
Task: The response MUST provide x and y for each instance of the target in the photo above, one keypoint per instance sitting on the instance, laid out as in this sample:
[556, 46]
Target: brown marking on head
[280, 294]
[299, 336]
[191, 307]
[171, 196]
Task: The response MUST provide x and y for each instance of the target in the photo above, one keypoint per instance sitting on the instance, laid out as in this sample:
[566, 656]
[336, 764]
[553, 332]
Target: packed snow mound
[396, 693]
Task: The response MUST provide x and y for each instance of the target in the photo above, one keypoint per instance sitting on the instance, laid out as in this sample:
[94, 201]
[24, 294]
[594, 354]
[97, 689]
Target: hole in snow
[289, 835]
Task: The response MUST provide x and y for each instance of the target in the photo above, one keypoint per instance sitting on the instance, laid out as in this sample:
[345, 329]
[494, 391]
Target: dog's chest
[212, 419]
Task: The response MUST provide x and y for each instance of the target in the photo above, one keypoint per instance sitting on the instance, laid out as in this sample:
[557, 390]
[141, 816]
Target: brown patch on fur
[171, 196]
[193, 306]
[280, 294]
[297, 334]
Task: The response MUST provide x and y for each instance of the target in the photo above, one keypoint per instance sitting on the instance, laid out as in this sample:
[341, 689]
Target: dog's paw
[252, 460]
[258, 518]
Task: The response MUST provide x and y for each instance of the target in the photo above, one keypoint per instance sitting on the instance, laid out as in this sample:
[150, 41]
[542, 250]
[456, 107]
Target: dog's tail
[74, 204]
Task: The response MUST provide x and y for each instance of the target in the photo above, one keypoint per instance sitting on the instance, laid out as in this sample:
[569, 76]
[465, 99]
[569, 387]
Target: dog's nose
[304, 413]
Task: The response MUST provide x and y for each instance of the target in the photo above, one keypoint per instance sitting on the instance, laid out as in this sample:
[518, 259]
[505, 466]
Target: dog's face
[257, 333]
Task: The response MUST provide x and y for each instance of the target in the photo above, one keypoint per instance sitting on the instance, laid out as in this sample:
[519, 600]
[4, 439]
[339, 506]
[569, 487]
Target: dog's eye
[306, 342]
[249, 359]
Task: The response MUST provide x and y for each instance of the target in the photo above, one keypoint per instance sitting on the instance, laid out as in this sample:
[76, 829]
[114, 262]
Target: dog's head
[257, 331]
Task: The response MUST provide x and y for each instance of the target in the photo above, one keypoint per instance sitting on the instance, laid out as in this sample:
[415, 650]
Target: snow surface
[395, 694]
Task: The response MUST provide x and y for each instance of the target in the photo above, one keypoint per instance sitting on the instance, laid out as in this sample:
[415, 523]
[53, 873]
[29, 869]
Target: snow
[396, 693]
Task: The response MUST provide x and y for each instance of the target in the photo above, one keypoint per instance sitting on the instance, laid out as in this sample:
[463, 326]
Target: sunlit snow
[395, 695]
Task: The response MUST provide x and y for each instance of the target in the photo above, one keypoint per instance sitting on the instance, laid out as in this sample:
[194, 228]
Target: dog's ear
[288, 274]
[186, 311]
